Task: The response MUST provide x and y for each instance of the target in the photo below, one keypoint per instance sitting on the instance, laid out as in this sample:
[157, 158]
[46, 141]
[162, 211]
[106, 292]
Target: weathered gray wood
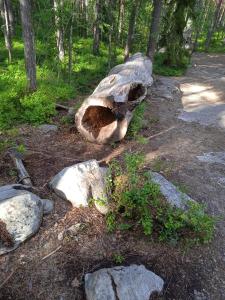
[105, 115]
[23, 175]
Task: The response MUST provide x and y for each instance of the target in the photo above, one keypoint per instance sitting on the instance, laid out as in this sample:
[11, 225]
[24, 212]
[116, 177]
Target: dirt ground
[173, 144]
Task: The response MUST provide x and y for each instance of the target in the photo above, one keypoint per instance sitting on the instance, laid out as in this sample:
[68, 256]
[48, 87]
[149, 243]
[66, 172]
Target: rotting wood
[105, 115]
[23, 175]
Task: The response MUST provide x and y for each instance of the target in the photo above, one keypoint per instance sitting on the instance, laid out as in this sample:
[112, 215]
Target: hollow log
[105, 115]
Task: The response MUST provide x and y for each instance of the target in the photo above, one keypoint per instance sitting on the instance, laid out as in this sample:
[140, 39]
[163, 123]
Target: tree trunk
[132, 22]
[5, 7]
[105, 115]
[29, 49]
[96, 29]
[214, 23]
[70, 51]
[154, 28]
[121, 18]
[58, 4]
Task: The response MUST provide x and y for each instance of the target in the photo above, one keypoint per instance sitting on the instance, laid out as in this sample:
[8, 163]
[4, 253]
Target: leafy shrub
[136, 122]
[137, 202]
[160, 68]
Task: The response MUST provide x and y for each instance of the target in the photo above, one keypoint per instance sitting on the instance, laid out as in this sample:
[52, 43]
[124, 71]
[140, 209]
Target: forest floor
[173, 144]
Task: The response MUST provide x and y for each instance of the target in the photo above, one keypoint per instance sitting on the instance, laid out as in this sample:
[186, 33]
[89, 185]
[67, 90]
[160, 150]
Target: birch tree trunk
[5, 7]
[58, 4]
[154, 28]
[96, 29]
[29, 49]
[132, 21]
[121, 18]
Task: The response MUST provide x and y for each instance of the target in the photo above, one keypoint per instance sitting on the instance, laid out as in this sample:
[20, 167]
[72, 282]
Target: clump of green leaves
[136, 122]
[136, 202]
[118, 258]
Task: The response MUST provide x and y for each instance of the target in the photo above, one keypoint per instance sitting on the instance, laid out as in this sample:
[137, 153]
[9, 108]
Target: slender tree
[154, 28]
[58, 5]
[29, 49]
[214, 24]
[121, 18]
[96, 29]
[132, 20]
[5, 13]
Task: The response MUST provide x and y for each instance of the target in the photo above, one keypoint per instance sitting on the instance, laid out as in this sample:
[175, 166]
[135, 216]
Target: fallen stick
[23, 175]
[51, 253]
[7, 278]
[60, 106]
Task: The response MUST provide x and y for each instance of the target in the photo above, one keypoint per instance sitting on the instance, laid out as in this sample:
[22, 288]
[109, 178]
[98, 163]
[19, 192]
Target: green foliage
[118, 258]
[136, 122]
[21, 148]
[160, 68]
[137, 202]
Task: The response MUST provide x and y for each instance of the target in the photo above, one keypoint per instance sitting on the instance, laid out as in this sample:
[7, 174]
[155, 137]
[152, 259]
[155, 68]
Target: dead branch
[23, 175]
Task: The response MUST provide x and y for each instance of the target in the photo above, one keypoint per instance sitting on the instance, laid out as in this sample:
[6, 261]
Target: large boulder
[122, 283]
[21, 214]
[105, 115]
[80, 183]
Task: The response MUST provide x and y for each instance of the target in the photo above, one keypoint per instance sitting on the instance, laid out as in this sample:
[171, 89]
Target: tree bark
[29, 48]
[70, 50]
[58, 4]
[132, 22]
[121, 18]
[5, 7]
[214, 23]
[154, 28]
[96, 29]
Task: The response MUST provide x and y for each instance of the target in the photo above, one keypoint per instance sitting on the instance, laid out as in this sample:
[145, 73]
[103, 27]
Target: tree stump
[105, 115]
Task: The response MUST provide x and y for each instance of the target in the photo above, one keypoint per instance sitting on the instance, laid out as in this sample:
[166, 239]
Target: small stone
[47, 128]
[61, 236]
[122, 283]
[171, 193]
[48, 206]
[75, 283]
[74, 229]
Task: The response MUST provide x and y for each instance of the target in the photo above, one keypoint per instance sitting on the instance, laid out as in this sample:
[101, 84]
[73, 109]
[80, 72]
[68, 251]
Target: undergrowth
[136, 202]
[137, 121]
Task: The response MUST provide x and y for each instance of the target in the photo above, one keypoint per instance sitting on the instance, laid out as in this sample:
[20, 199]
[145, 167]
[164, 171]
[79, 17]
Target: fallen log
[105, 115]
[24, 177]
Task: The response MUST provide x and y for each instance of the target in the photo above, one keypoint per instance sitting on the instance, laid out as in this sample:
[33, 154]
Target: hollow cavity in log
[136, 91]
[96, 117]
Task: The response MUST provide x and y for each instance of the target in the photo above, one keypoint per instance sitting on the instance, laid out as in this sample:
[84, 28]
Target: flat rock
[164, 88]
[21, 211]
[47, 128]
[122, 283]
[212, 157]
[80, 183]
[171, 193]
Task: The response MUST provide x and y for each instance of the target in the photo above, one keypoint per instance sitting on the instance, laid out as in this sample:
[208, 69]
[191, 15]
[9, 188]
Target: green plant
[136, 122]
[118, 258]
[21, 149]
[137, 202]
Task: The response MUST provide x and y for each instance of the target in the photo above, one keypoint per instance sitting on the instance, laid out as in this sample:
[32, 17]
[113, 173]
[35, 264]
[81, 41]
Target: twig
[60, 106]
[51, 253]
[7, 278]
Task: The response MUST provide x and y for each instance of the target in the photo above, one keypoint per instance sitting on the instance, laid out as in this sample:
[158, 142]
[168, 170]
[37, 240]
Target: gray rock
[122, 283]
[213, 157]
[22, 213]
[48, 206]
[170, 191]
[81, 182]
[164, 88]
[47, 128]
